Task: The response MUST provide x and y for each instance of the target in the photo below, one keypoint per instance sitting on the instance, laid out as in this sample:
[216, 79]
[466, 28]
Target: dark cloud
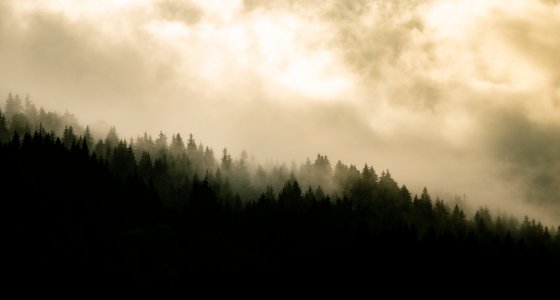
[530, 154]
[182, 11]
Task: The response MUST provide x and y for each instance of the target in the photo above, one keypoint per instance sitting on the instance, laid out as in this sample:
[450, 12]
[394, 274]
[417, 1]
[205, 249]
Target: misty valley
[152, 211]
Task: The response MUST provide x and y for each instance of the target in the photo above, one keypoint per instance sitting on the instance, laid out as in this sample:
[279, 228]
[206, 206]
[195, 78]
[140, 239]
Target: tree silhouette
[4, 133]
[140, 214]
[68, 137]
[88, 138]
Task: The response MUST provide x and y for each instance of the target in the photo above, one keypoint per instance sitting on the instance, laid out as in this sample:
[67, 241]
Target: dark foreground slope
[71, 216]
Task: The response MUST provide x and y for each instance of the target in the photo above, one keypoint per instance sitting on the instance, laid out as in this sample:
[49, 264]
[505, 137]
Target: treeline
[21, 115]
[153, 211]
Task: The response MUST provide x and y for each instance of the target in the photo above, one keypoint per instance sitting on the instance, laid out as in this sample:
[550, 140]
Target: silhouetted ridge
[153, 211]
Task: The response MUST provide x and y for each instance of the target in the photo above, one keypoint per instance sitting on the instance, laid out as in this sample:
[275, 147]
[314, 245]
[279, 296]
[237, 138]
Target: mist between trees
[169, 193]
[184, 158]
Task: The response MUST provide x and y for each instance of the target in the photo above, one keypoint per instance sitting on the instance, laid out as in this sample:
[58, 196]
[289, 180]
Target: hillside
[151, 212]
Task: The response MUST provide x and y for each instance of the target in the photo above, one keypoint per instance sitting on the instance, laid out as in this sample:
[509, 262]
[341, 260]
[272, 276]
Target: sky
[462, 96]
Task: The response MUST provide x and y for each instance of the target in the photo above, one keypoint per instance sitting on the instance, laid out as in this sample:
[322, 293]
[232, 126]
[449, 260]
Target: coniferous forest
[153, 211]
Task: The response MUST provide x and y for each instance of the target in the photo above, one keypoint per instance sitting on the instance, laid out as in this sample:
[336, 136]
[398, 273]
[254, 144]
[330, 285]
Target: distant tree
[16, 141]
[423, 211]
[269, 194]
[405, 194]
[480, 223]
[99, 149]
[319, 193]
[387, 181]
[226, 160]
[123, 161]
[19, 123]
[440, 209]
[88, 138]
[209, 159]
[68, 137]
[69, 119]
[145, 143]
[13, 106]
[4, 133]
[177, 147]
[441, 214]
[426, 197]
[369, 175]
[243, 159]
[528, 229]
[309, 196]
[161, 142]
[483, 214]
[319, 173]
[322, 165]
[51, 121]
[31, 111]
[112, 138]
[191, 144]
[145, 165]
[290, 196]
[353, 174]
[340, 176]
[458, 216]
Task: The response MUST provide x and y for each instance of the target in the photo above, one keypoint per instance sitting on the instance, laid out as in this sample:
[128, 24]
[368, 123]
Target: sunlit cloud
[424, 87]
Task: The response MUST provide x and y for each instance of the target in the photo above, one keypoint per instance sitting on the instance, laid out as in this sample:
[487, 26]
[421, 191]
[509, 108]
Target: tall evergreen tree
[112, 138]
[177, 147]
[13, 106]
[88, 138]
[226, 160]
[68, 137]
[4, 133]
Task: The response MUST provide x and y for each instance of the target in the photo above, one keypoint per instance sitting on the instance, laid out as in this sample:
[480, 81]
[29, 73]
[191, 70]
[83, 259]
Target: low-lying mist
[462, 98]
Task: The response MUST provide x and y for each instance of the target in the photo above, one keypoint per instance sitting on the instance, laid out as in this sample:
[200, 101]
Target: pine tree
[112, 139]
[13, 106]
[99, 149]
[88, 138]
[4, 133]
[31, 111]
[177, 147]
[145, 165]
[68, 137]
[191, 144]
[226, 160]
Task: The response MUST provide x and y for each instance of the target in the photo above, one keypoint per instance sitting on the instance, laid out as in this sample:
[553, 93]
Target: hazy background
[460, 95]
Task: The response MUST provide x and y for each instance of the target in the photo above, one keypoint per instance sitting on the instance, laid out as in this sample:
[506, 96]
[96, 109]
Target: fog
[457, 95]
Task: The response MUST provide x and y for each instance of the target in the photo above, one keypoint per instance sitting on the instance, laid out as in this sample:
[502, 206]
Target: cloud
[182, 11]
[75, 65]
[529, 155]
[461, 96]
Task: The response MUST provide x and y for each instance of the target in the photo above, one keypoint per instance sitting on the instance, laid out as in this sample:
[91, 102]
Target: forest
[152, 211]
